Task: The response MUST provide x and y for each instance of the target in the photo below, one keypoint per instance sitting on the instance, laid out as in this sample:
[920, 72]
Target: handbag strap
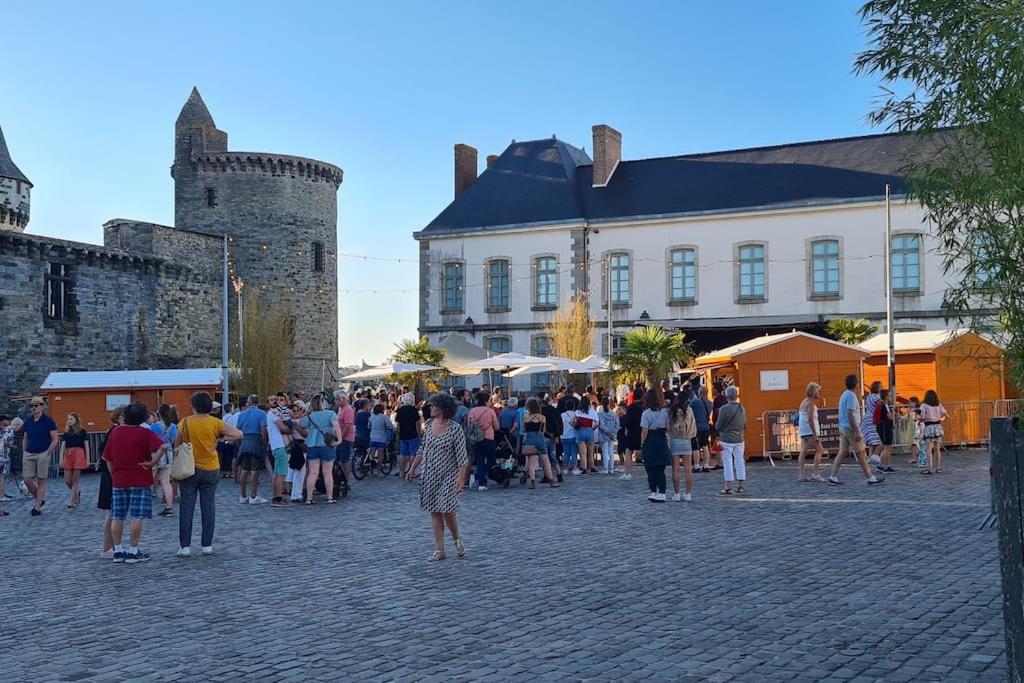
[731, 418]
[317, 427]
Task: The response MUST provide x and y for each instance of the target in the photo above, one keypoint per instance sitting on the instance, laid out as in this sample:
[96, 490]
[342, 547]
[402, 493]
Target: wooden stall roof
[133, 379]
[767, 349]
[924, 341]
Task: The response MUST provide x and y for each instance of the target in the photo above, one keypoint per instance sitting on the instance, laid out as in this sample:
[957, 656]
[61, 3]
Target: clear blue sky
[384, 89]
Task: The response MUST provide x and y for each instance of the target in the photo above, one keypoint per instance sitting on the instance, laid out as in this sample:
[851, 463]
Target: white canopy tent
[388, 369]
[459, 353]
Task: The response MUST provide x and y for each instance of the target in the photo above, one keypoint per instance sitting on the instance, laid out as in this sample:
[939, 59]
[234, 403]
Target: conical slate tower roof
[7, 167]
[195, 113]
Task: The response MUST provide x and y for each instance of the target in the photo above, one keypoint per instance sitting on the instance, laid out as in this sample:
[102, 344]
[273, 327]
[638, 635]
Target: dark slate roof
[532, 183]
[195, 111]
[8, 169]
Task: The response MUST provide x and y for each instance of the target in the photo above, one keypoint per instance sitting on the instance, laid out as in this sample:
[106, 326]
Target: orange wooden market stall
[94, 394]
[960, 365]
[772, 373]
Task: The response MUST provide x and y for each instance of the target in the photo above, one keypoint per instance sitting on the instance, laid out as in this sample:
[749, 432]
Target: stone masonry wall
[274, 214]
[122, 312]
[15, 201]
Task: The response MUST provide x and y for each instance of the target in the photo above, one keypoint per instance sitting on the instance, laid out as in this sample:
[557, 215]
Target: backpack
[474, 433]
[876, 414]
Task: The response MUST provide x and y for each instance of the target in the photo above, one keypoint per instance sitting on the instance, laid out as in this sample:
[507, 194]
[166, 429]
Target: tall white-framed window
[752, 272]
[497, 285]
[825, 268]
[905, 265]
[545, 282]
[540, 346]
[498, 343]
[619, 278]
[683, 275]
[452, 287]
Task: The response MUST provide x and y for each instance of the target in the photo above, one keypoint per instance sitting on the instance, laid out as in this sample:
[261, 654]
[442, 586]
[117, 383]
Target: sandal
[725, 492]
[741, 491]
[310, 502]
[926, 471]
[437, 556]
[331, 501]
[460, 549]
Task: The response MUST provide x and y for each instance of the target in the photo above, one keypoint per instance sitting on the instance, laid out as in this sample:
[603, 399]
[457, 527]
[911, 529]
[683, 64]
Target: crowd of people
[461, 439]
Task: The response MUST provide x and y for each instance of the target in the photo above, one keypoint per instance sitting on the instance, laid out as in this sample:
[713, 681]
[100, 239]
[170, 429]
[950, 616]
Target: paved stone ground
[795, 582]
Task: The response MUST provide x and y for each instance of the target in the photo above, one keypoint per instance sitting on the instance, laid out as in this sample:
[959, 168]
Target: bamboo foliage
[571, 333]
[269, 335]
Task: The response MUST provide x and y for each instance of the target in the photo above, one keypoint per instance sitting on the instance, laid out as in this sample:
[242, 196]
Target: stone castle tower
[280, 213]
[15, 191]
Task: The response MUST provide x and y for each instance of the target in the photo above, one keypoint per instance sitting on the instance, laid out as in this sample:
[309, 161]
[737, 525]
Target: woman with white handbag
[196, 467]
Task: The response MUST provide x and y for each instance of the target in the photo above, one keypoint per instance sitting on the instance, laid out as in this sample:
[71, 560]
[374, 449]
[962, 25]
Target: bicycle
[364, 464]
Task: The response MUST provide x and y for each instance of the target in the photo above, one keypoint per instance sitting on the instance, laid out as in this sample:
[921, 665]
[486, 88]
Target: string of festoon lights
[532, 265]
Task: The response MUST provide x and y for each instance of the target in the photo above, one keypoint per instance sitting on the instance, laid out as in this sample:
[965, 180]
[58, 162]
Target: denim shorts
[537, 440]
[323, 453]
[681, 447]
[134, 502]
[584, 435]
[343, 451]
[379, 444]
[408, 447]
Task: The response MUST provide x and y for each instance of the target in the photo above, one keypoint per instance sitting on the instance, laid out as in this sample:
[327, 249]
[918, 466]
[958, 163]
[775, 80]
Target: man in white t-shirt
[278, 428]
[850, 436]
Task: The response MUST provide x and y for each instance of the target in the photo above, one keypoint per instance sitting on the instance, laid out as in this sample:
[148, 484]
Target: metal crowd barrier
[967, 425]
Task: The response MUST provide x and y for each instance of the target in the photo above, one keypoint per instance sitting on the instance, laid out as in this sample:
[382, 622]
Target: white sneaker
[243, 499]
[660, 497]
[653, 497]
[676, 498]
[257, 501]
[207, 550]
[687, 497]
[627, 477]
[481, 488]
[184, 552]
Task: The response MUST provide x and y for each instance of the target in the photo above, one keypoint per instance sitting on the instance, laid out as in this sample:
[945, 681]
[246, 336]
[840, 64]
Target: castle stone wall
[121, 311]
[275, 209]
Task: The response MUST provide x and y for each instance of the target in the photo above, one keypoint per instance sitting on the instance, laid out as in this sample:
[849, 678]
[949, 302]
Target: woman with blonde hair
[74, 456]
[810, 434]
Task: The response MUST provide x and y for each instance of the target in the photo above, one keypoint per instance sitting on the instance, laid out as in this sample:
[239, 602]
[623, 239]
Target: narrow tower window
[318, 257]
[211, 197]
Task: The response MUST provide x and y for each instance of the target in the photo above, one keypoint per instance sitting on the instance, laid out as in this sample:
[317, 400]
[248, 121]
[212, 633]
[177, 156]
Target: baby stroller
[340, 482]
[508, 461]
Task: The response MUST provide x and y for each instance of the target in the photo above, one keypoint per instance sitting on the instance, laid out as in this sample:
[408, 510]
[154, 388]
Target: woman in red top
[483, 417]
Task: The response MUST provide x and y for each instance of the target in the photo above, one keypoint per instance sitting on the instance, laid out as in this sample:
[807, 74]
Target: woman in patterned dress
[445, 459]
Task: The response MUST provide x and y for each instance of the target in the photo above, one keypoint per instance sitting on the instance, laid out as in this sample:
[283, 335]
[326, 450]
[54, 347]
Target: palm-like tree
[650, 354]
[850, 331]
[420, 351]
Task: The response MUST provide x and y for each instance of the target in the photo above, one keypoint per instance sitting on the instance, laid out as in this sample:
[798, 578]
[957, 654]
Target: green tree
[960, 64]
[268, 343]
[650, 354]
[850, 331]
[421, 352]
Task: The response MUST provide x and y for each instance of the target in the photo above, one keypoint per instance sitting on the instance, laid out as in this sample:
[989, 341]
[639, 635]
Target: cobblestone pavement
[591, 582]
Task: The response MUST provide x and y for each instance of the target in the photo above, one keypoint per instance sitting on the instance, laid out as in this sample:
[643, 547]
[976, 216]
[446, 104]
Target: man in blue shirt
[252, 422]
[701, 408]
[461, 406]
[39, 441]
[850, 436]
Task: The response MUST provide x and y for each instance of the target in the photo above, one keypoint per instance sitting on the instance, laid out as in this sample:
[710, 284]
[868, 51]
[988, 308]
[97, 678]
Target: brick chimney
[491, 158]
[465, 167]
[607, 153]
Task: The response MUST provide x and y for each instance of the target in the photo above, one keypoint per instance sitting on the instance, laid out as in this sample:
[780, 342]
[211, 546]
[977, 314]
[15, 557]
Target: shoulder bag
[183, 465]
[330, 440]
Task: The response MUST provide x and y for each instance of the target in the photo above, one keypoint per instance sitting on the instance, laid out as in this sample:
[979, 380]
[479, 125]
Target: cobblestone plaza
[589, 582]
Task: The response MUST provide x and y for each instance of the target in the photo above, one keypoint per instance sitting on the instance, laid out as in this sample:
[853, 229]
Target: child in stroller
[509, 461]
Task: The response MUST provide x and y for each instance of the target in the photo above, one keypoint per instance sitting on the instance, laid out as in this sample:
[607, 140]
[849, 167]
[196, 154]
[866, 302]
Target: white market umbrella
[553, 364]
[505, 362]
[595, 364]
[388, 369]
[459, 352]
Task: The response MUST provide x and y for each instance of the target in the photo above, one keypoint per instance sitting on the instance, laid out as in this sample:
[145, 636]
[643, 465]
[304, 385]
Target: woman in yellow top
[202, 431]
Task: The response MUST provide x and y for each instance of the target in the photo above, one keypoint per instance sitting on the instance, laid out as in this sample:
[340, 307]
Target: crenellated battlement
[18, 219]
[268, 164]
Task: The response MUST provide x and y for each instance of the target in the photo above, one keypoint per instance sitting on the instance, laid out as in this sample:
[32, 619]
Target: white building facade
[720, 273]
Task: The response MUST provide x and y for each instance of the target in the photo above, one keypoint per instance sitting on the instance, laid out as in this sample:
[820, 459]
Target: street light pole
[891, 355]
[224, 327]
